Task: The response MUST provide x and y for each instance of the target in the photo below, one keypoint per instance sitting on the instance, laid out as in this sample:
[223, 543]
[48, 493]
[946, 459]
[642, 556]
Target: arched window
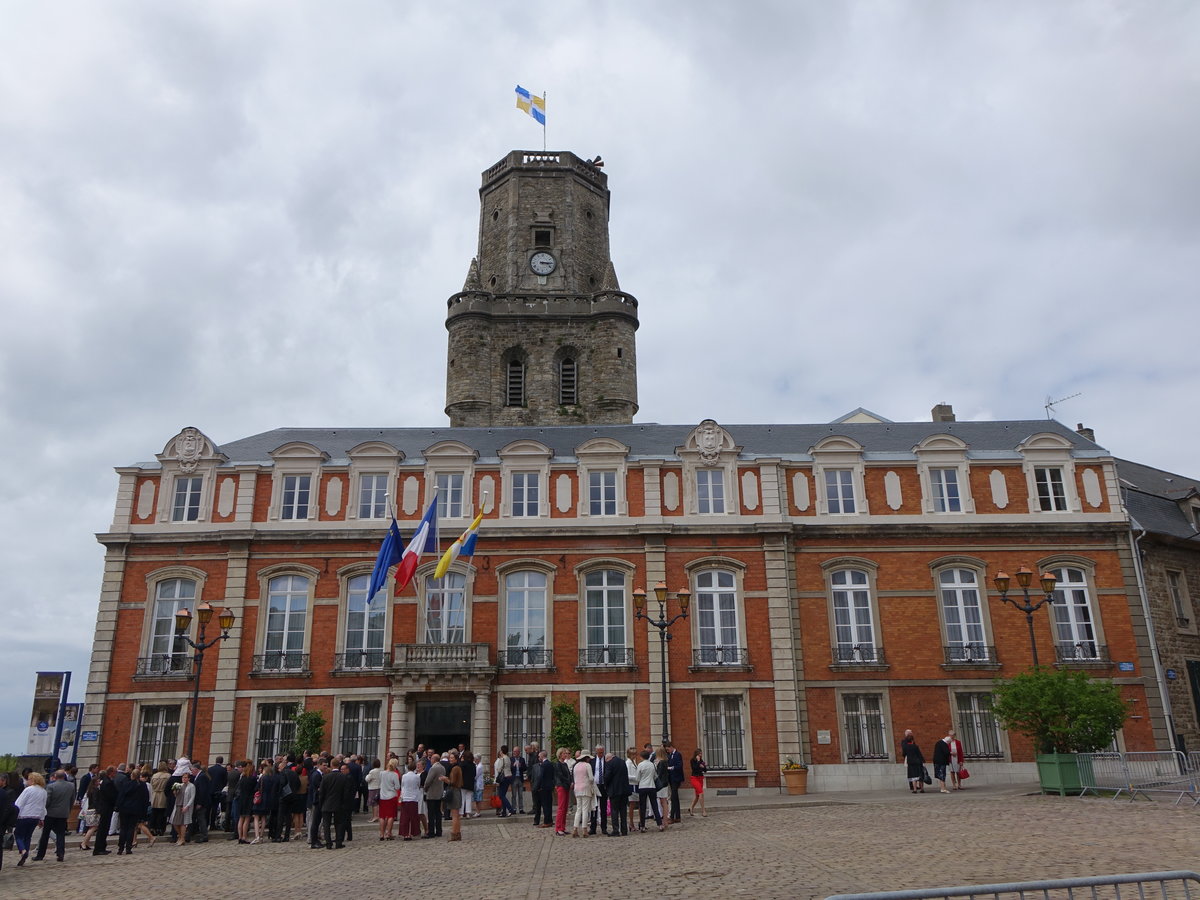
[287, 614]
[854, 628]
[525, 619]
[1074, 626]
[168, 653]
[364, 626]
[515, 384]
[568, 382]
[717, 618]
[604, 593]
[964, 617]
[445, 609]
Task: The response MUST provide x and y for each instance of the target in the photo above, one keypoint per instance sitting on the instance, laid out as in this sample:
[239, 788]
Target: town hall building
[838, 576]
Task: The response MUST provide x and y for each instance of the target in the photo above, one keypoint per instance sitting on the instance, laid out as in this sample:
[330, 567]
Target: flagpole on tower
[545, 94]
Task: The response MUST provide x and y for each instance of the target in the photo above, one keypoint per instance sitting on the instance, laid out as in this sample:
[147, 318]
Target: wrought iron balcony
[1081, 653]
[970, 654]
[165, 665]
[720, 656]
[598, 657]
[858, 655]
[358, 660]
[276, 662]
[525, 658]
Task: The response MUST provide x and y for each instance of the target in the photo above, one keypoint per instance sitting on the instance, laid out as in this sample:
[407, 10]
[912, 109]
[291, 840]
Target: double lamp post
[183, 621]
[663, 624]
[1024, 579]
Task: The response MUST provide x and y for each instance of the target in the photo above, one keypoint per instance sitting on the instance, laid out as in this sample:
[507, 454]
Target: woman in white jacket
[585, 792]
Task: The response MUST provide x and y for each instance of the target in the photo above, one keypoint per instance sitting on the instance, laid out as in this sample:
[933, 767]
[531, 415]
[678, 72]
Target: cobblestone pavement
[829, 845]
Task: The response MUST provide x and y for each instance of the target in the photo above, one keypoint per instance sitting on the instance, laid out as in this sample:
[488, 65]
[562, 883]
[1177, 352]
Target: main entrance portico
[441, 697]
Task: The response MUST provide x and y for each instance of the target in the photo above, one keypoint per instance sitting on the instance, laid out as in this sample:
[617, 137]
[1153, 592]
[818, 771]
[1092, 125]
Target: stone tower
[541, 334]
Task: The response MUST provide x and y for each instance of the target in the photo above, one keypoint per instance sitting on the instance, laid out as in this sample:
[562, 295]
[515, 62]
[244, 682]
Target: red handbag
[963, 774]
[496, 801]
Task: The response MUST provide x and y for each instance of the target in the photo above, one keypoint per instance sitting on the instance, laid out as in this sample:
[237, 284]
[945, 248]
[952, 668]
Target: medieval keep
[840, 573]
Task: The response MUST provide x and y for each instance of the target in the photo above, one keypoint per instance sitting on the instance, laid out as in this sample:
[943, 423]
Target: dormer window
[186, 505]
[1051, 494]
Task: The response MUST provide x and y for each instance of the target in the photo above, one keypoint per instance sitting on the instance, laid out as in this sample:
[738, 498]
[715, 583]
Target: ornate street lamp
[663, 624]
[1024, 577]
[183, 621]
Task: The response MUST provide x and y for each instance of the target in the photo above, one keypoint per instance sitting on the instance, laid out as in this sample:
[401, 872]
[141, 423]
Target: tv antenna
[1050, 404]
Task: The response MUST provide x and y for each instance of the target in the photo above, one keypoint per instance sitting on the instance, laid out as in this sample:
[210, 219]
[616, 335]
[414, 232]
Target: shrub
[1061, 711]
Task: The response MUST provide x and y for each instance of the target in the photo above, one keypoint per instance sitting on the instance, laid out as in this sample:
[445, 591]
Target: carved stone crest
[709, 438]
[189, 446]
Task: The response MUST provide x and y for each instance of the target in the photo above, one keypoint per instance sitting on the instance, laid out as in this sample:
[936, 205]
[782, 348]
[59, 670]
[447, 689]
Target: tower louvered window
[515, 386]
[568, 381]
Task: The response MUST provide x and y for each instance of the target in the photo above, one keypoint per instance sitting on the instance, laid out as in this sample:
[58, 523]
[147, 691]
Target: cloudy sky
[248, 215]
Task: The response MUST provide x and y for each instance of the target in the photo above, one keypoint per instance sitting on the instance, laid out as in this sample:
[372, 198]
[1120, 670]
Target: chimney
[1085, 432]
[943, 412]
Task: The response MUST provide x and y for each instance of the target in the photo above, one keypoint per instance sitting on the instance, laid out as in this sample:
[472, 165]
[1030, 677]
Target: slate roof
[895, 440]
[1152, 495]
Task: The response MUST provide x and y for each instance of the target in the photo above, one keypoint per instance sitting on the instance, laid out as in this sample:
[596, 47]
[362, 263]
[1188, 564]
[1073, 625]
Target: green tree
[310, 731]
[564, 726]
[1061, 711]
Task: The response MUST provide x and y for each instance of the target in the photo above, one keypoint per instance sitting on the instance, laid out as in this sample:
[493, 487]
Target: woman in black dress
[915, 761]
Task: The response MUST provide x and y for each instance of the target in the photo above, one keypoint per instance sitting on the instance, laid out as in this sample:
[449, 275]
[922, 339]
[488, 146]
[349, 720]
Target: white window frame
[979, 739]
[192, 489]
[610, 583]
[514, 655]
[521, 486]
[853, 603]
[371, 458]
[710, 492]
[1075, 615]
[298, 458]
[451, 497]
[451, 458]
[441, 594]
[958, 630]
[729, 751]
[265, 577]
[165, 746]
[354, 715]
[709, 447]
[162, 632]
[602, 492]
[372, 498]
[602, 455]
[946, 490]
[369, 641]
[839, 492]
[937, 456]
[856, 723]
[1049, 451]
[1050, 486]
[525, 457]
[834, 453]
[718, 632]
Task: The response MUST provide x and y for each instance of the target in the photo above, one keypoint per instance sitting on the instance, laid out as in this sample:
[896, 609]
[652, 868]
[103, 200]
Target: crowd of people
[313, 797]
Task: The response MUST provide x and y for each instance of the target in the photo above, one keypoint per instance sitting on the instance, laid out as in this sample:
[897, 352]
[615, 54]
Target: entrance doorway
[443, 724]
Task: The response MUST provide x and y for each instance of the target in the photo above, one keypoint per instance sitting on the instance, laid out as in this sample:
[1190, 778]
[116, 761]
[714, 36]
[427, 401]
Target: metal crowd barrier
[1145, 886]
[1162, 771]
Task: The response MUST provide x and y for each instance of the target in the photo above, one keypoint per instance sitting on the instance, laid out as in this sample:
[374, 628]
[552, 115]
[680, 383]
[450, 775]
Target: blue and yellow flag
[532, 104]
[464, 546]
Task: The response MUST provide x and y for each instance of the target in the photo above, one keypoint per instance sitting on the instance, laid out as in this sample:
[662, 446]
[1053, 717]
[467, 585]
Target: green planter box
[1058, 773]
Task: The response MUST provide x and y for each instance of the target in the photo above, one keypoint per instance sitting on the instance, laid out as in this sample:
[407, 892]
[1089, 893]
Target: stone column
[481, 725]
[227, 653]
[116, 746]
[790, 708]
[398, 736]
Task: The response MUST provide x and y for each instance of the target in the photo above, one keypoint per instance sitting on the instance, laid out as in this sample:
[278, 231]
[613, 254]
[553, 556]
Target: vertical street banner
[43, 724]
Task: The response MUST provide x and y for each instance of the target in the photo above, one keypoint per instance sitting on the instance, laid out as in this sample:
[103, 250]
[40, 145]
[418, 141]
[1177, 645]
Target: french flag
[424, 541]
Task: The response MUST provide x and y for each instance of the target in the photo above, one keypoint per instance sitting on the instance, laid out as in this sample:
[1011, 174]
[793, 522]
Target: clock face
[542, 263]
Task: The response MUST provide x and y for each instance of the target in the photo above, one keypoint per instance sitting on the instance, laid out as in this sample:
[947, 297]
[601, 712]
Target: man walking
[334, 786]
[218, 778]
[106, 802]
[616, 788]
[60, 797]
[601, 811]
[674, 777]
[204, 801]
[314, 805]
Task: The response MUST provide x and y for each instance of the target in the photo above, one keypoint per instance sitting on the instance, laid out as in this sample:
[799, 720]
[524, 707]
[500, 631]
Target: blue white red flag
[424, 541]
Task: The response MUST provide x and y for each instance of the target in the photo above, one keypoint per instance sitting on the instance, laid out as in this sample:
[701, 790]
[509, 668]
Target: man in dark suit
[435, 788]
[674, 777]
[204, 799]
[349, 801]
[314, 807]
[600, 813]
[106, 802]
[218, 777]
[616, 788]
[335, 786]
[541, 786]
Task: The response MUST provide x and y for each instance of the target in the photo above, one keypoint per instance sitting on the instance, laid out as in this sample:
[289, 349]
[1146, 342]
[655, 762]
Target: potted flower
[795, 776]
[1063, 713]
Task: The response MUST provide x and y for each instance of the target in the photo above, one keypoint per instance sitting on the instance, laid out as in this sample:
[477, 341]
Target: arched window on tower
[515, 385]
[568, 382]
